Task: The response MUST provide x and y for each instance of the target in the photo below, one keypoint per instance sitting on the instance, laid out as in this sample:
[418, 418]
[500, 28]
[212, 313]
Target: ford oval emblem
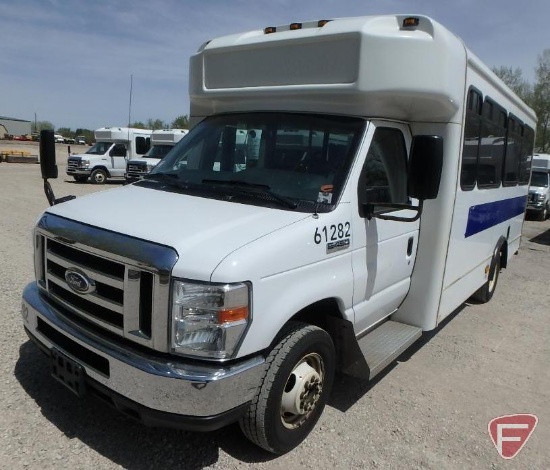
[79, 281]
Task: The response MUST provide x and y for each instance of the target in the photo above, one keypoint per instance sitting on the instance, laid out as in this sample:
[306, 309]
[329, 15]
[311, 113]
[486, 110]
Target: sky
[71, 62]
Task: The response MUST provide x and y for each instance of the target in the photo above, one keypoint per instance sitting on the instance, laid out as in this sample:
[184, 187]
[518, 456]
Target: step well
[386, 343]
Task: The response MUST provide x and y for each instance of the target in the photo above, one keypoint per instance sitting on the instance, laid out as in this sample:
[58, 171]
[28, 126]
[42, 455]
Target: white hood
[202, 231]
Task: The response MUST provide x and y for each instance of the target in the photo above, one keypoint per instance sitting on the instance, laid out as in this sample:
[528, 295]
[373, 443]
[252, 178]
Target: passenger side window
[384, 176]
[119, 150]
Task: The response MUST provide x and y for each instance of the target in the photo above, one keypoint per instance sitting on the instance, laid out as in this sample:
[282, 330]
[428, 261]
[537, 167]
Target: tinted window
[472, 129]
[384, 175]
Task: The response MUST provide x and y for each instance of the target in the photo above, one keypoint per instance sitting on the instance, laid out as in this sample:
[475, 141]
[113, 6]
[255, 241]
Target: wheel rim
[99, 177]
[303, 390]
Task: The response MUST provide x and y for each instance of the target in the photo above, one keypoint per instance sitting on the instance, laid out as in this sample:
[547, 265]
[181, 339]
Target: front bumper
[161, 389]
[78, 171]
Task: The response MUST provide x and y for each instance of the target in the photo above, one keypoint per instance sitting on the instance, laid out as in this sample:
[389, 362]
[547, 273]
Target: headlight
[539, 197]
[209, 320]
[150, 167]
[85, 163]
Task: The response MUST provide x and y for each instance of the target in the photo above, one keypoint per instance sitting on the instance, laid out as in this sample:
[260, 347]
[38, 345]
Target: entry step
[384, 344]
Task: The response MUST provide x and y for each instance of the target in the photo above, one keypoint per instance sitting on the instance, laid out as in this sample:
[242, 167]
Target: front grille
[137, 168]
[104, 281]
[73, 162]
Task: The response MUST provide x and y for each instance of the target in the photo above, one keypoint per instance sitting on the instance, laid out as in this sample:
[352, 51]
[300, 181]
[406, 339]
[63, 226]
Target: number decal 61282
[332, 233]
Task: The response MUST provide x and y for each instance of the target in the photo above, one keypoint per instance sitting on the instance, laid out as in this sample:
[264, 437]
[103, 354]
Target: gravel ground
[430, 410]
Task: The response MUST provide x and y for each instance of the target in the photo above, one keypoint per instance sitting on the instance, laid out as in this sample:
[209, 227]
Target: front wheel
[296, 386]
[543, 214]
[98, 176]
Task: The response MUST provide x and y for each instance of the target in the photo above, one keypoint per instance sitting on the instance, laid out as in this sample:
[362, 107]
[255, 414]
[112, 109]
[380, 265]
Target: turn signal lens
[411, 22]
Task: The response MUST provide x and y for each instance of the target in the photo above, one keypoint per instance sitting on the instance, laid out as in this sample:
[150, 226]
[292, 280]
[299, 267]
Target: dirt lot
[430, 410]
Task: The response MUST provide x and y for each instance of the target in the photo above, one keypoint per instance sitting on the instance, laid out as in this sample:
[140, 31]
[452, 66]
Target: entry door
[384, 262]
[118, 160]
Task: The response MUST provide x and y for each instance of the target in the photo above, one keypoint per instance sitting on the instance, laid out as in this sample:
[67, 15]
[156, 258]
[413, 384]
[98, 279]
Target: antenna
[130, 105]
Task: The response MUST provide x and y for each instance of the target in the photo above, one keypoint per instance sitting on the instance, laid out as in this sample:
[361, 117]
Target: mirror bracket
[370, 212]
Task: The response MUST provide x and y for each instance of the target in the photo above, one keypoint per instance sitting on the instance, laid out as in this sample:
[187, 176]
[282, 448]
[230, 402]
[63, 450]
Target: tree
[40, 125]
[138, 125]
[65, 132]
[181, 122]
[155, 124]
[541, 101]
[514, 79]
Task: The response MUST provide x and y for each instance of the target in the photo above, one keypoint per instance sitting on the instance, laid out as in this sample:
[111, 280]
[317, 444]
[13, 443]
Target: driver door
[384, 264]
[118, 159]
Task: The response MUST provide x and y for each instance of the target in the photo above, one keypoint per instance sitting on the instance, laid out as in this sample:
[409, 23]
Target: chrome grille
[129, 279]
[137, 168]
[73, 162]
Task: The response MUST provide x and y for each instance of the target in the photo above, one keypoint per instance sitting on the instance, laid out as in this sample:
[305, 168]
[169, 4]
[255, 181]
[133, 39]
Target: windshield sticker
[325, 194]
[336, 237]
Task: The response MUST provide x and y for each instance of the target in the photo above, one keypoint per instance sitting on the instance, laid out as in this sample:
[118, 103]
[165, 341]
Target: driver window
[119, 150]
[385, 169]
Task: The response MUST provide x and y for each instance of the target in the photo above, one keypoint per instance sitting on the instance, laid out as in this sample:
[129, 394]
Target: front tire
[295, 388]
[98, 176]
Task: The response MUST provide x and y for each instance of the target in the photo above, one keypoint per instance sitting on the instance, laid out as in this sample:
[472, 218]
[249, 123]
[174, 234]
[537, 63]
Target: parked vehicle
[59, 139]
[80, 140]
[162, 141]
[329, 205]
[539, 189]
[108, 156]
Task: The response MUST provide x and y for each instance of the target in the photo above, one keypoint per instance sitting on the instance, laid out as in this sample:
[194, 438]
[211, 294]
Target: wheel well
[328, 315]
[503, 249]
[318, 313]
[101, 168]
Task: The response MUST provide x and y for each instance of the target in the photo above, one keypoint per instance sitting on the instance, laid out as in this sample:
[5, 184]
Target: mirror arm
[51, 197]
[369, 211]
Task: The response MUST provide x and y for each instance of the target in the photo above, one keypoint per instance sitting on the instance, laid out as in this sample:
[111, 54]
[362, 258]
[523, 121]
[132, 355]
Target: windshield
[300, 160]
[158, 151]
[539, 179]
[99, 148]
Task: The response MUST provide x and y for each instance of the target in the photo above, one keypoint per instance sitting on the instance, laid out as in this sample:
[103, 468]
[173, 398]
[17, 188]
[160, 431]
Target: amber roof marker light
[322, 23]
[270, 29]
[295, 26]
[411, 22]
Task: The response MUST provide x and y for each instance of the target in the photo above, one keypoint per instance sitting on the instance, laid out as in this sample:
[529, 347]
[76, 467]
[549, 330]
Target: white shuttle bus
[346, 186]
[107, 158]
[162, 141]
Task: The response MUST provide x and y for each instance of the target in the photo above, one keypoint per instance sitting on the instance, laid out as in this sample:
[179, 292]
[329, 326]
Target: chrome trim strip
[93, 297]
[92, 273]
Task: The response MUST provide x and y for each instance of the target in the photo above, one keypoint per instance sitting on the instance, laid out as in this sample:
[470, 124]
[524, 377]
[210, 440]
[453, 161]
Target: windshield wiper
[254, 188]
[171, 179]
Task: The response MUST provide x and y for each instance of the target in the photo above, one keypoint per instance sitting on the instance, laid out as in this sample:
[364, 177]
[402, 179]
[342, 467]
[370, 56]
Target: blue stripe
[488, 215]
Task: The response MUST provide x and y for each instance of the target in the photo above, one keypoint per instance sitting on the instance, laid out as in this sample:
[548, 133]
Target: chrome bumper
[78, 171]
[158, 382]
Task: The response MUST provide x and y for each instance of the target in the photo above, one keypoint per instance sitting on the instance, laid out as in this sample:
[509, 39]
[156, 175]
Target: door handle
[410, 244]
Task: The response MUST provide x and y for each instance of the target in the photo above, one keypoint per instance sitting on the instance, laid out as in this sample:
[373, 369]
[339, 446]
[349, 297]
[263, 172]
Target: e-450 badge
[336, 236]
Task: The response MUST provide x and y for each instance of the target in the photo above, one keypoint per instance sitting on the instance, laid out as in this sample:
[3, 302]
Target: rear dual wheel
[296, 385]
[486, 291]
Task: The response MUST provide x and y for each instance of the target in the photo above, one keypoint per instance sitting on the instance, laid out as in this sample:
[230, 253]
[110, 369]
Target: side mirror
[48, 167]
[47, 154]
[425, 165]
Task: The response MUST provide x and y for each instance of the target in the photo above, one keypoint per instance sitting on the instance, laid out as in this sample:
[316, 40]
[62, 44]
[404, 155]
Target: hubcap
[303, 390]
[99, 177]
